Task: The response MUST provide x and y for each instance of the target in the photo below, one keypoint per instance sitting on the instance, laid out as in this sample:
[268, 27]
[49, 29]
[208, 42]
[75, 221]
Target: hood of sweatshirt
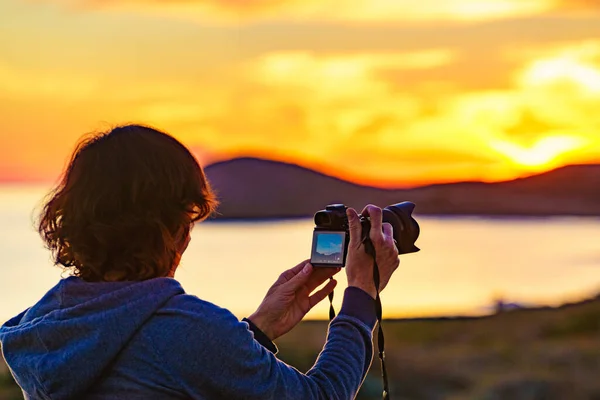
[60, 347]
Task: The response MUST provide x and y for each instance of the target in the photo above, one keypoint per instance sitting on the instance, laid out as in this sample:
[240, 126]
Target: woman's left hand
[289, 299]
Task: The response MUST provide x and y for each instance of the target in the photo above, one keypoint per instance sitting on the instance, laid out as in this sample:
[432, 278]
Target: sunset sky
[383, 92]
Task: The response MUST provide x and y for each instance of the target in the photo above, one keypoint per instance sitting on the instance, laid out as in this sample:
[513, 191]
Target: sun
[546, 153]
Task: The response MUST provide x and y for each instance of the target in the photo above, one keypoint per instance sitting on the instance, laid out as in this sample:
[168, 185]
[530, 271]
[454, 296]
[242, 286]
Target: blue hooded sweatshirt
[151, 340]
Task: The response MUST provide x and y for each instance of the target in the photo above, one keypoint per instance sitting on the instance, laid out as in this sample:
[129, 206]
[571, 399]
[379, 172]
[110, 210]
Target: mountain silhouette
[331, 258]
[252, 188]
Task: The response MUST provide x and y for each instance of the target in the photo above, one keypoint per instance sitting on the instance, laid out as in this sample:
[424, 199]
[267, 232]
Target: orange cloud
[377, 103]
[18, 84]
[330, 10]
[337, 108]
[339, 113]
[591, 5]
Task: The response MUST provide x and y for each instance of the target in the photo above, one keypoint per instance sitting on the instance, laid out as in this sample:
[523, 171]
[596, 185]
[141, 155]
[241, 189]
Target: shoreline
[494, 217]
[464, 317]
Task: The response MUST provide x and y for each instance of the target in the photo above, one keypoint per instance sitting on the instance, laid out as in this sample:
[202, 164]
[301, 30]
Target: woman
[121, 326]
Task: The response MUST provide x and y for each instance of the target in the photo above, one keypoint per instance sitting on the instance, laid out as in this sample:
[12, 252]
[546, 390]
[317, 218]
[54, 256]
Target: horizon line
[314, 168]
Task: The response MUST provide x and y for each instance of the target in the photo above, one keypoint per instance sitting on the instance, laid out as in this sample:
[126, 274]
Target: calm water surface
[464, 264]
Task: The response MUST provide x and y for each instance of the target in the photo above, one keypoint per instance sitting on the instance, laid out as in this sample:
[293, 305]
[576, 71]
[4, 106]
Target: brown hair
[125, 204]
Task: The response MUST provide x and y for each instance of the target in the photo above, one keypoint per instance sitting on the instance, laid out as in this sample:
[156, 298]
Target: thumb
[299, 279]
[355, 226]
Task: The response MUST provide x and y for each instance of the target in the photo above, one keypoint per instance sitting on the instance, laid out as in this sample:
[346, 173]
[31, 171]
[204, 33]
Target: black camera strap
[331, 310]
[370, 249]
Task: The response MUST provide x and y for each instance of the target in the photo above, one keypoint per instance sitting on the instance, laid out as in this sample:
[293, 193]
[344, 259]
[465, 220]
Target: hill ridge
[251, 187]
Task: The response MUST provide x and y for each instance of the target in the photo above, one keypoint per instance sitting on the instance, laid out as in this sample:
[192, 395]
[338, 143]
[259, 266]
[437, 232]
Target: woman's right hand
[359, 264]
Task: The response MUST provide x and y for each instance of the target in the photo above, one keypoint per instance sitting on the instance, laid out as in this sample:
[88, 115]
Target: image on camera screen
[328, 248]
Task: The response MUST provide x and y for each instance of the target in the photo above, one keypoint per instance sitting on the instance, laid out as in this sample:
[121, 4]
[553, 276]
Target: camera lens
[406, 228]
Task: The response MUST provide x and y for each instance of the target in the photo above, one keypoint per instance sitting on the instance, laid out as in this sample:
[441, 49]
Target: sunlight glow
[577, 65]
[543, 154]
[586, 76]
[494, 9]
[423, 92]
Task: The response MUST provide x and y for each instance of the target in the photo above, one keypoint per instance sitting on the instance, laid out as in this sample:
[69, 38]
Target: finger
[299, 279]
[290, 273]
[322, 293]
[375, 214]
[318, 276]
[354, 225]
[388, 230]
[365, 211]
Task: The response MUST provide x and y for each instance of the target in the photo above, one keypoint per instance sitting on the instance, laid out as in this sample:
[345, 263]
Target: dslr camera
[331, 234]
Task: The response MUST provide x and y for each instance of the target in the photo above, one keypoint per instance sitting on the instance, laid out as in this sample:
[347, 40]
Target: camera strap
[370, 249]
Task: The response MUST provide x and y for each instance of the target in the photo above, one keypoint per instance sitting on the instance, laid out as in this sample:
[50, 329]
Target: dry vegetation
[543, 354]
[8, 388]
[533, 354]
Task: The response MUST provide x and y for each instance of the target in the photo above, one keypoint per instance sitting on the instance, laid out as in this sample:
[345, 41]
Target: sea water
[465, 264]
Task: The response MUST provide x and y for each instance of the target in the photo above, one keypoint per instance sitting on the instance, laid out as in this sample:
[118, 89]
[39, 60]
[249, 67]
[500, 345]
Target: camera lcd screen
[328, 248]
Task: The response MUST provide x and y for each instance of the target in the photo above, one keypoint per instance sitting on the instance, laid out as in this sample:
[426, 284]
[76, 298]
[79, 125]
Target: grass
[524, 354]
[8, 388]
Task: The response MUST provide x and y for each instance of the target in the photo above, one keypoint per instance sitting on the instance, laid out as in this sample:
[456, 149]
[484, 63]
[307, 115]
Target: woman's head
[125, 205]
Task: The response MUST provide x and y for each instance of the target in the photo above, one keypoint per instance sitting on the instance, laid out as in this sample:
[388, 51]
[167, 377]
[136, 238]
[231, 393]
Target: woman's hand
[359, 264]
[289, 299]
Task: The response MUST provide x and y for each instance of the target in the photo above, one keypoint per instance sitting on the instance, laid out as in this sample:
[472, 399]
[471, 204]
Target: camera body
[331, 234]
